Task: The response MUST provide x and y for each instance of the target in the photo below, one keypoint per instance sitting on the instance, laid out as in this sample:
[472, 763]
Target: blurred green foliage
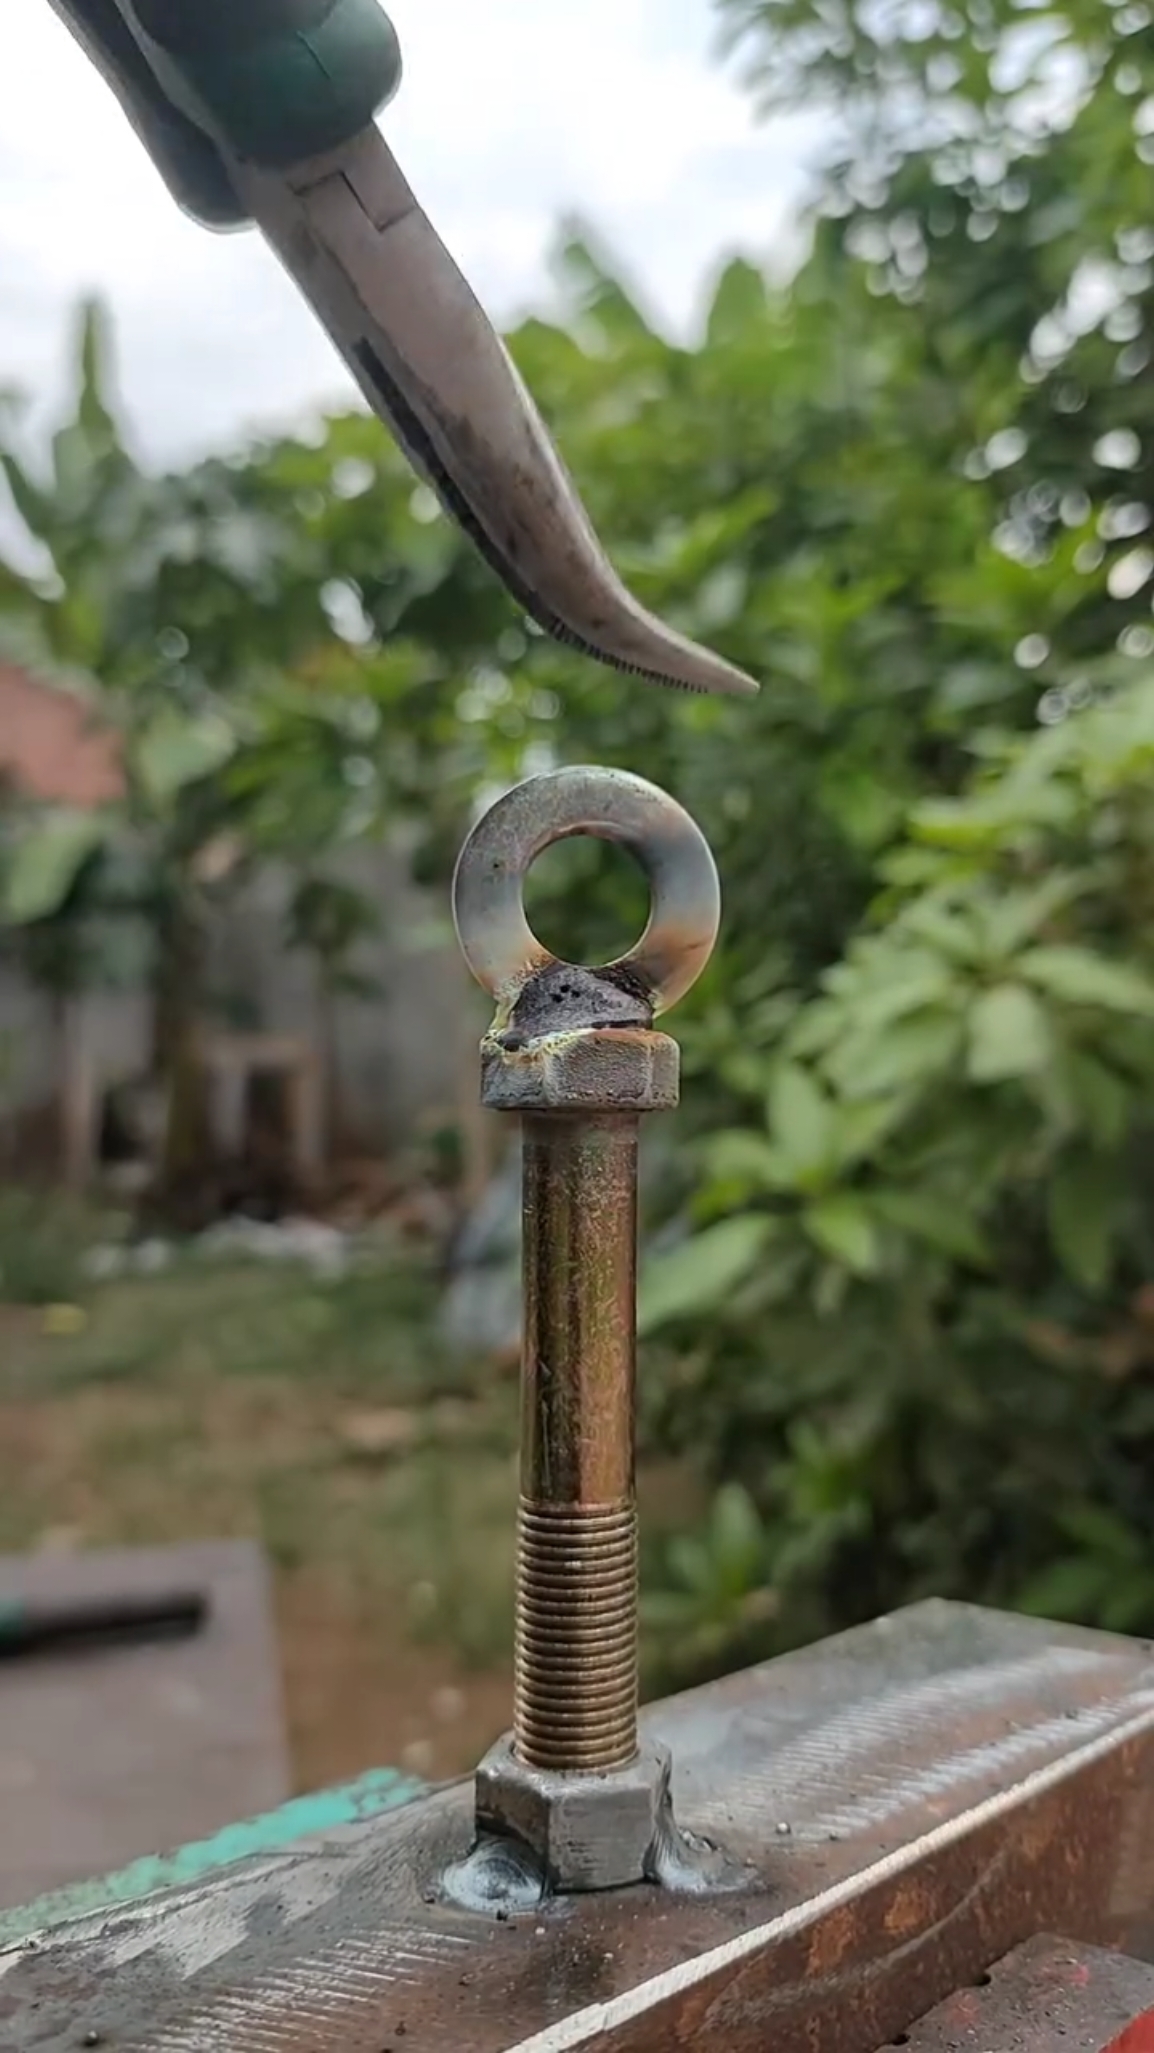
[915, 1315]
[907, 1313]
[43, 1243]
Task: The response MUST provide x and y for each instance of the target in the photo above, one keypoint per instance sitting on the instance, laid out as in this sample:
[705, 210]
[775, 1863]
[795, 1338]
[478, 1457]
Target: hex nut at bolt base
[587, 1069]
[588, 1831]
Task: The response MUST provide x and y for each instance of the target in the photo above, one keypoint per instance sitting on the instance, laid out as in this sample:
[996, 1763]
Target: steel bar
[914, 1799]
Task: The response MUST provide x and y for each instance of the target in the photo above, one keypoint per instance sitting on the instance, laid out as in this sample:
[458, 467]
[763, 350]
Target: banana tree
[328, 920]
[120, 894]
[172, 602]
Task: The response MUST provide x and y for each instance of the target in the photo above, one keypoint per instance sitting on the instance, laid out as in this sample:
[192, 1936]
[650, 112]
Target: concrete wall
[406, 1054]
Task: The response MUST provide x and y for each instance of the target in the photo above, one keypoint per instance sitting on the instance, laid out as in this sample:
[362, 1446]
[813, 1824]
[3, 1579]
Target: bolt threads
[575, 1687]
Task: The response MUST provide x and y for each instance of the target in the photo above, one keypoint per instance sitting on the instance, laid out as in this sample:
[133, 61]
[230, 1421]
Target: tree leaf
[861, 1125]
[691, 1563]
[738, 1156]
[699, 1275]
[905, 988]
[908, 1053]
[1081, 977]
[1009, 1035]
[925, 1216]
[842, 1227]
[1082, 1203]
[599, 294]
[801, 1121]
[1102, 1530]
[739, 303]
[1099, 1095]
[1018, 914]
[949, 929]
[1071, 1588]
[983, 822]
[34, 506]
[94, 352]
[736, 1538]
[43, 865]
[176, 751]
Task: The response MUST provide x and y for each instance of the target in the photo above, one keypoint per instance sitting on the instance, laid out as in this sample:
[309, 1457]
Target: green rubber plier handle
[273, 82]
[265, 111]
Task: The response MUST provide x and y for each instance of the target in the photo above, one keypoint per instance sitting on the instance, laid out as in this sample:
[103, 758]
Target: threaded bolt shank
[575, 1686]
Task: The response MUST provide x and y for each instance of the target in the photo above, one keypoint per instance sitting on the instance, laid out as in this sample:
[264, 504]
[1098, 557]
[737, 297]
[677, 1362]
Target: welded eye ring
[496, 939]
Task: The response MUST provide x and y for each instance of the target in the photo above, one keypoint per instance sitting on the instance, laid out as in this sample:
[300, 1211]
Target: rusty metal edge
[586, 2028]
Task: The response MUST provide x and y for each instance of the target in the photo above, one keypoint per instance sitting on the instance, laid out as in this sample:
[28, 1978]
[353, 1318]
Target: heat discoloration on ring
[496, 939]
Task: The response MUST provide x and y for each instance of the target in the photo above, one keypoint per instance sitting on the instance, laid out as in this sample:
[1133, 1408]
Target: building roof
[52, 745]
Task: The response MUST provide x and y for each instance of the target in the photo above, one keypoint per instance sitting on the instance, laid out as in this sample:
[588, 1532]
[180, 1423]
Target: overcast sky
[511, 113]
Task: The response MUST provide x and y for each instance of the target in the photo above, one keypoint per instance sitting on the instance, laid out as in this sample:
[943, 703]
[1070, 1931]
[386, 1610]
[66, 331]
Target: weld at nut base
[588, 1069]
[587, 1830]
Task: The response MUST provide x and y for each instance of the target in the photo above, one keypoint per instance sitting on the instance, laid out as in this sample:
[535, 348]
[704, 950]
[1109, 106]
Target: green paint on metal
[350, 1803]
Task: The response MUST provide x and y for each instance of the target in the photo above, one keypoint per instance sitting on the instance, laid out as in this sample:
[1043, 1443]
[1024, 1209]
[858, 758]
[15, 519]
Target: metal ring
[496, 939]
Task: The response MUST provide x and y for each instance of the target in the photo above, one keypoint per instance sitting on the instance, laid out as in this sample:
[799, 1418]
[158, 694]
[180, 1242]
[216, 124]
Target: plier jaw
[315, 174]
[430, 363]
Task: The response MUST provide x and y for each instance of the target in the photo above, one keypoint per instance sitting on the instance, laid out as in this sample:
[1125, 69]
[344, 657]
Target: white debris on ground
[104, 1264]
[324, 1250]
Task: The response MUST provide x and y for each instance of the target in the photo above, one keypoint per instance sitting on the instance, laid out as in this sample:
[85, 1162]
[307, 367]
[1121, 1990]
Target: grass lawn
[222, 1399]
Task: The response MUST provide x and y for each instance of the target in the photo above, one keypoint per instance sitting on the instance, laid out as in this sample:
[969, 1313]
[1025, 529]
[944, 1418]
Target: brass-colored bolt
[575, 1688]
[575, 1053]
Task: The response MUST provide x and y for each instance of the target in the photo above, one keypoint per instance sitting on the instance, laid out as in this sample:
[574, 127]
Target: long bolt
[575, 1689]
[575, 1053]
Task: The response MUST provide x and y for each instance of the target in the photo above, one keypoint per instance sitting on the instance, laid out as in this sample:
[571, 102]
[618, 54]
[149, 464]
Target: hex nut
[588, 1069]
[587, 1830]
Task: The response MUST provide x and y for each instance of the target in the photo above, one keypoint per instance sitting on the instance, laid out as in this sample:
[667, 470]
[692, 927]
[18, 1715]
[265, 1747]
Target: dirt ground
[359, 1694]
[320, 1420]
[362, 1506]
